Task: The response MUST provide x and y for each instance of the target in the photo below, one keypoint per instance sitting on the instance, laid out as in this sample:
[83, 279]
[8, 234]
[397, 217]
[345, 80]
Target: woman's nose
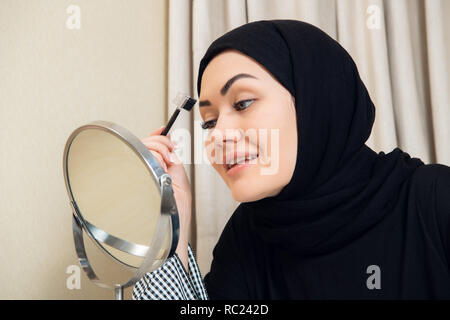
[226, 136]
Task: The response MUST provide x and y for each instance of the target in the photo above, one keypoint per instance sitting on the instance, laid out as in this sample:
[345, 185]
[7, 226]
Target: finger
[161, 139]
[174, 158]
[159, 159]
[157, 131]
[160, 148]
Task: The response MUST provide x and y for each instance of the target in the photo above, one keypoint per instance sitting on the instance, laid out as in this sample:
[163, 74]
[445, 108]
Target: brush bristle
[182, 100]
[189, 104]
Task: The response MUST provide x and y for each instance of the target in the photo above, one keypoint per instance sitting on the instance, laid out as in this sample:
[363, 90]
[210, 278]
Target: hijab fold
[340, 187]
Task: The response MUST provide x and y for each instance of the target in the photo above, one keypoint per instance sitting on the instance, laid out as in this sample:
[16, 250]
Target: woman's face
[252, 116]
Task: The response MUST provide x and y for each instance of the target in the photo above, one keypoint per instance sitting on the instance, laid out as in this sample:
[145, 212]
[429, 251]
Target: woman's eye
[242, 105]
[208, 124]
[239, 106]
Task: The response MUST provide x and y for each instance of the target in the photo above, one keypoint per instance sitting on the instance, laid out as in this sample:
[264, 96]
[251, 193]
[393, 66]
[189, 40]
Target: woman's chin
[248, 193]
[246, 196]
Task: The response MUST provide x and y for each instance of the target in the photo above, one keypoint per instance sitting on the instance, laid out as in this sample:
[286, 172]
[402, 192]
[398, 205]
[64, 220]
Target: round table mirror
[122, 203]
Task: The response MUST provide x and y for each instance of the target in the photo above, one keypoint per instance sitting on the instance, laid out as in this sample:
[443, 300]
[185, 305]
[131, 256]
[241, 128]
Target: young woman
[323, 216]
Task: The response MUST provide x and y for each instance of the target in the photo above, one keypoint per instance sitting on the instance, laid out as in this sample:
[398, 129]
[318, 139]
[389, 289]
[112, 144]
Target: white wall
[53, 80]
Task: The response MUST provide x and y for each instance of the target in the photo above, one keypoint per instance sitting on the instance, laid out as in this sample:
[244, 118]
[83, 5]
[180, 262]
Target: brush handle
[171, 121]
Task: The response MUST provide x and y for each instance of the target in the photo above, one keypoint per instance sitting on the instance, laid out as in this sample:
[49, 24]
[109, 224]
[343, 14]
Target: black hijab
[340, 187]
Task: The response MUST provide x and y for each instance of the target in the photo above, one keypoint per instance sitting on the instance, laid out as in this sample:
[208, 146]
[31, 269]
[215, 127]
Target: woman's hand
[162, 149]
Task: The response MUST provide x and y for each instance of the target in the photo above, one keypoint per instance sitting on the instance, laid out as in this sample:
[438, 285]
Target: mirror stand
[118, 291]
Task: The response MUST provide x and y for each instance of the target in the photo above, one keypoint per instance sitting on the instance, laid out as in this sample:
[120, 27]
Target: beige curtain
[401, 49]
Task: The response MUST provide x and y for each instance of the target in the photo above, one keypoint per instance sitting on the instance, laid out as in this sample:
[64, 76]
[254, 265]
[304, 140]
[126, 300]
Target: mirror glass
[114, 190]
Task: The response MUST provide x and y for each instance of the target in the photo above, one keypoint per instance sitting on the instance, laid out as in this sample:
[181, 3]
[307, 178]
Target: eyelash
[207, 124]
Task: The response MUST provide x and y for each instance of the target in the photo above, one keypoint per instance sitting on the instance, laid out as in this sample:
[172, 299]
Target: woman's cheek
[210, 152]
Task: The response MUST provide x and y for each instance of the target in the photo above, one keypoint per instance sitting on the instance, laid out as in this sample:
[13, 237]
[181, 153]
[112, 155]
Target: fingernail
[171, 157]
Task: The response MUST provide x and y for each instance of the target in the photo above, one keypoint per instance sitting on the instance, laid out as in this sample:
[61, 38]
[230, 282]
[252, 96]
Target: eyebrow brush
[182, 101]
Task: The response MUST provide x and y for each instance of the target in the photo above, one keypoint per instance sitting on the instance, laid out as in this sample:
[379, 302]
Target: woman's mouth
[237, 164]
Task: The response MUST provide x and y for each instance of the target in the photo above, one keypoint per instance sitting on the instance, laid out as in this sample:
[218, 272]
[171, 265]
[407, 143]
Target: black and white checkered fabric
[171, 281]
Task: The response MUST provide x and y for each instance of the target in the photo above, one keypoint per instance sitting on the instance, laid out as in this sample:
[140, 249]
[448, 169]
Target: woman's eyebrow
[226, 87]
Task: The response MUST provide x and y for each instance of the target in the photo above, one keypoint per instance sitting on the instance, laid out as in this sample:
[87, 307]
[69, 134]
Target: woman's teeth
[242, 160]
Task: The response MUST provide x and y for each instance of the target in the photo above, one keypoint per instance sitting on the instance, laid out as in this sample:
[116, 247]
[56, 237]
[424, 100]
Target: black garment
[347, 210]
[410, 245]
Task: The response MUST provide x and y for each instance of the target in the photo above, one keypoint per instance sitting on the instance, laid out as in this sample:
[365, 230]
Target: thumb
[157, 131]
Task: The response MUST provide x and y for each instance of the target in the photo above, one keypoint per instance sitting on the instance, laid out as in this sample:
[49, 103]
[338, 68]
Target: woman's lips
[250, 160]
[235, 157]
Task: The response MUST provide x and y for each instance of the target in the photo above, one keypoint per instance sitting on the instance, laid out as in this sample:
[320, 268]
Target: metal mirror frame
[168, 219]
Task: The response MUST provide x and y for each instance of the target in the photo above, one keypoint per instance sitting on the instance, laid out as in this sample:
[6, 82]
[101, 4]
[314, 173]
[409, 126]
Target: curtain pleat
[438, 50]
